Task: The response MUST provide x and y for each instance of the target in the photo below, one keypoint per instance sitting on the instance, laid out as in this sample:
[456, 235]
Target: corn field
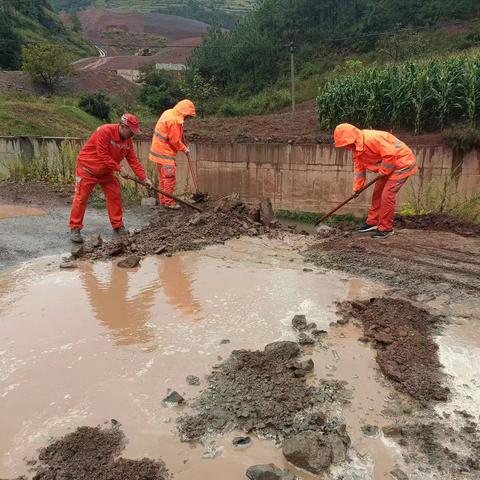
[421, 97]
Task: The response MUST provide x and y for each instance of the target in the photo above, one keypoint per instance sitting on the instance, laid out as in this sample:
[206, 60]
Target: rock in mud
[225, 341]
[96, 241]
[115, 248]
[302, 368]
[399, 474]
[268, 472]
[161, 249]
[68, 265]
[308, 270]
[253, 232]
[319, 333]
[131, 261]
[299, 322]
[193, 380]
[314, 451]
[311, 326]
[241, 442]
[77, 250]
[173, 399]
[392, 431]
[370, 430]
[266, 212]
[198, 219]
[305, 339]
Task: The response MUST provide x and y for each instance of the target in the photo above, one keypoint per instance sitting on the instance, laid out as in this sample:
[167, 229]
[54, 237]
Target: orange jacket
[104, 151]
[167, 137]
[377, 151]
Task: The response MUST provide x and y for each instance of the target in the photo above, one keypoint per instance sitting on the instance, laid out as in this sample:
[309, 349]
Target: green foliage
[462, 139]
[420, 96]
[200, 91]
[76, 24]
[441, 196]
[160, 90]
[267, 101]
[46, 63]
[96, 104]
[10, 42]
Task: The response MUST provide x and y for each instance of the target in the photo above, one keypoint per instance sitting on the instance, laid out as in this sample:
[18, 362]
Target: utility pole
[292, 74]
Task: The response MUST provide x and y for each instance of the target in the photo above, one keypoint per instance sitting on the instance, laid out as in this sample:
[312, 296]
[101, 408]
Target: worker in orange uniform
[382, 153]
[97, 163]
[166, 143]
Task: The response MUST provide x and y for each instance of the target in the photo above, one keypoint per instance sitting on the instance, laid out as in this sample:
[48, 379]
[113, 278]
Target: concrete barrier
[296, 177]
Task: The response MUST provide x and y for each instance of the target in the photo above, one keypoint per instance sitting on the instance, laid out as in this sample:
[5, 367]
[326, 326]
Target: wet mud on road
[104, 342]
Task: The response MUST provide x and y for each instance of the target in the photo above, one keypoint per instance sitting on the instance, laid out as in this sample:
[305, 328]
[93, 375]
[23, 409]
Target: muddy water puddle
[14, 211]
[81, 347]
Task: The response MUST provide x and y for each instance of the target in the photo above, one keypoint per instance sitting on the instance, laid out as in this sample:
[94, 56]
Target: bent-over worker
[382, 153]
[97, 163]
[167, 141]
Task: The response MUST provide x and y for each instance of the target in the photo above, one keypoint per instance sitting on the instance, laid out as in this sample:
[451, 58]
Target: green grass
[24, 115]
[313, 218]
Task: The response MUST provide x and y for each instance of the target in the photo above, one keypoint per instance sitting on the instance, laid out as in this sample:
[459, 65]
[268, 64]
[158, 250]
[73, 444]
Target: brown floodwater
[13, 211]
[81, 347]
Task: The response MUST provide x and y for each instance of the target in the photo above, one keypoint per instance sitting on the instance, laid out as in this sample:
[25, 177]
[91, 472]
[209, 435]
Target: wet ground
[81, 347]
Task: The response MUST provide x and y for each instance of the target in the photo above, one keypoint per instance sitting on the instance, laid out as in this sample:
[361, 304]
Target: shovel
[349, 199]
[161, 192]
[197, 196]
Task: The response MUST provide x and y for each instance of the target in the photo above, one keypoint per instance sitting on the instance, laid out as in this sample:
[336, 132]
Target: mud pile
[265, 393]
[185, 229]
[403, 335]
[438, 221]
[89, 453]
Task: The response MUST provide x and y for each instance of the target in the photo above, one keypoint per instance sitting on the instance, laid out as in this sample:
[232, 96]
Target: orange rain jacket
[167, 137]
[377, 151]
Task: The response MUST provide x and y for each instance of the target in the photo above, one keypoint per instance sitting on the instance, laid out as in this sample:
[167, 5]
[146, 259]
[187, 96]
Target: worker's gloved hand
[148, 182]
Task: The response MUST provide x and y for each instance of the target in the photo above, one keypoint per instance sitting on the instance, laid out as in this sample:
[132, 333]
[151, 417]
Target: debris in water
[193, 380]
[370, 430]
[225, 341]
[241, 442]
[68, 265]
[268, 472]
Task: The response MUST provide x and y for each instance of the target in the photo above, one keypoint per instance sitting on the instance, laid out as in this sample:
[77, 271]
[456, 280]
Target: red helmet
[132, 122]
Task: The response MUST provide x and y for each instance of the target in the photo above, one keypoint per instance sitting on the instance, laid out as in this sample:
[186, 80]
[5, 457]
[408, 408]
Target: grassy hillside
[33, 21]
[227, 12]
[20, 116]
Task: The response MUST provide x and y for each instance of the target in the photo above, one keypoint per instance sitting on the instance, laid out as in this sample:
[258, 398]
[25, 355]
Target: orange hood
[185, 108]
[346, 134]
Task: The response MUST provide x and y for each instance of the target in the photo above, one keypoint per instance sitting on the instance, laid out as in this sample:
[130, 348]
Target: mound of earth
[185, 229]
[264, 392]
[403, 335]
[440, 222]
[92, 453]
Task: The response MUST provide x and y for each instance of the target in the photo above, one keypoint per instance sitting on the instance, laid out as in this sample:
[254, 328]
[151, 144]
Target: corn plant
[423, 96]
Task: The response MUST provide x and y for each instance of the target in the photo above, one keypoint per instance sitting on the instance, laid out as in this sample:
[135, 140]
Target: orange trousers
[166, 181]
[83, 188]
[384, 199]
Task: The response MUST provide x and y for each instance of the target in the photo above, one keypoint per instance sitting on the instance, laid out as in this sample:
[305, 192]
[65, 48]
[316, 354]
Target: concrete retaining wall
[296, 177]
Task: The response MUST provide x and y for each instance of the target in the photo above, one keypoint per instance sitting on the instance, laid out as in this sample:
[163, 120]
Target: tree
[11, 45]
[200, 91]
[76, 24]
[46, 63]
[96, 104]
[160, 90]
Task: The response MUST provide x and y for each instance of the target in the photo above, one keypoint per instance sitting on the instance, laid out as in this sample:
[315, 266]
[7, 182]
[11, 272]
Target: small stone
[358, 305]
[342, 321]
[148, 202]
[193, 380]
[311, 326]
[304, 339]
[308, 269]
[253, 232]
[268, 472]
[225, 341]
[318, 333]
[302, 368]
[242, 442]
[96, 241]
[77, 251]
[68, 265]
[364, 339]
[299, 322]
[197, 220]
[399, 474]
[173, 399]
[392, 431]
[160, 250]
[370, 430]
[130, 262]
[115, 249]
